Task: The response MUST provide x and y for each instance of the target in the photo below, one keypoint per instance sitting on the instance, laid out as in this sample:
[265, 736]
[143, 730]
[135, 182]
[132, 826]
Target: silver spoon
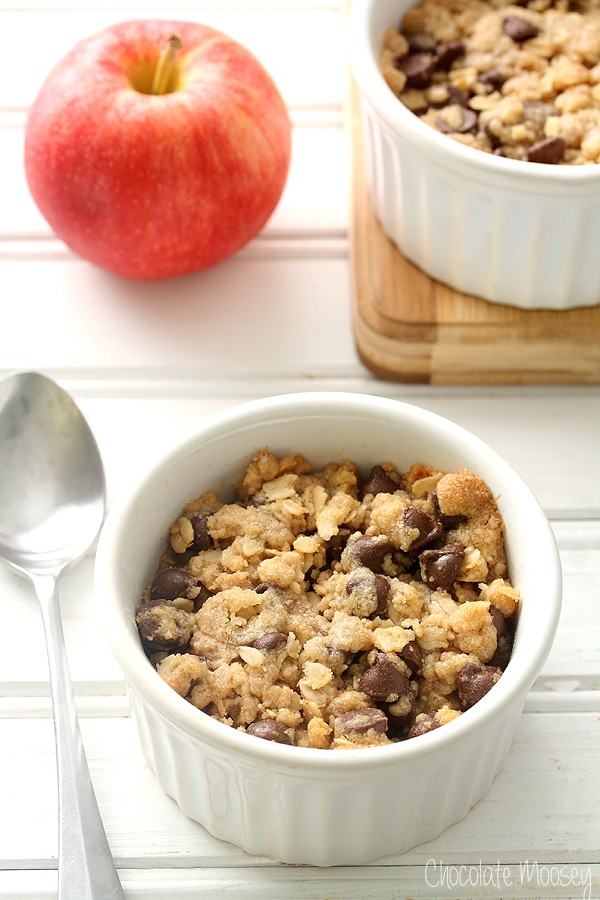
[52, 501]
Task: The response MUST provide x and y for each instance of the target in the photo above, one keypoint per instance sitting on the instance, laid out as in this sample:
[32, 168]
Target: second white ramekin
[519, 233]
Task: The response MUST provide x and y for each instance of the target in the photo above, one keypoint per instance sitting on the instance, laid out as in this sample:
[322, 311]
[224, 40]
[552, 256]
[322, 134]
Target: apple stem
[165, 65]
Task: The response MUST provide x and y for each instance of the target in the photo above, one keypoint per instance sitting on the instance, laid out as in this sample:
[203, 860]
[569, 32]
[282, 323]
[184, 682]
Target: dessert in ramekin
[302, 804]
[503, 229]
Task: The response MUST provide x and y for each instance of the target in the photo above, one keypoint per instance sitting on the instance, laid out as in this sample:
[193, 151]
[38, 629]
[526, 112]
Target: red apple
[157, 148]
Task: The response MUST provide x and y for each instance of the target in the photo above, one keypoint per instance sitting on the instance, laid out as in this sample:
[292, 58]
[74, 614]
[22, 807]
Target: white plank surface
[145, 363]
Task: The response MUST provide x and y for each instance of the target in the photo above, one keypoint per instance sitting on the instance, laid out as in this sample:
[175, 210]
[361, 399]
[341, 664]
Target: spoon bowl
[52, 483]
[52, 503]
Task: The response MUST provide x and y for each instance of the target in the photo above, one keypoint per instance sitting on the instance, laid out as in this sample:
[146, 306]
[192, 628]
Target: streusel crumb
[333, 609]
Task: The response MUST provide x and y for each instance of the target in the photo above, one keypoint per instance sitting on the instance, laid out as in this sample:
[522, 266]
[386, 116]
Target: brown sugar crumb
[520, 80]
[333, 608]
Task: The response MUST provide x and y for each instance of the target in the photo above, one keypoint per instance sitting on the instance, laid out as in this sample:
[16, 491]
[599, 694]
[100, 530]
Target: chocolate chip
[473, 682]
[384, 681]
[550, 150]
[429, 529]
[493, 78]
[270, 730]
[505, 639]
[397, 725]
[418, 68]
[501, 657]
[162, 626]
[335, 545]
[427, 722]
[441, 567]
[202, 539]
[464, 123]
[494, 140]
[499, 622]
[169, 584]
[452, 94]
[262, 587]
[361, 721]
[412, 656]
[420, 41]
[383, 591]
[376, 585]
[269, 641]
[447, 54]
[447, 521]
[379, 482]
[370, 551]
[519, 29]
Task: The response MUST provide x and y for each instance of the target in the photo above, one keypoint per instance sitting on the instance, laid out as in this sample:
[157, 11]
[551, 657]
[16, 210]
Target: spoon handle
[86, 869]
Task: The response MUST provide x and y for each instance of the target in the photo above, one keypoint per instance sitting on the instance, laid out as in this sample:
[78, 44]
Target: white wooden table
[145, 362]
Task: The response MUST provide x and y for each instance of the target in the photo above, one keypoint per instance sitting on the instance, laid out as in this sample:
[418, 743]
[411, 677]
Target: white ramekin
[524, 234]
[300, 805]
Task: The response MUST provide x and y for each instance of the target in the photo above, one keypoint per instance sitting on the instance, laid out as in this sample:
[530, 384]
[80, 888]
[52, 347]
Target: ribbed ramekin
[299, 805]
[519, 233]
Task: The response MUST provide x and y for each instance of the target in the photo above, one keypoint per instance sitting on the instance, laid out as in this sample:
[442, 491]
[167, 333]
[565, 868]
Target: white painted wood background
[147, 361]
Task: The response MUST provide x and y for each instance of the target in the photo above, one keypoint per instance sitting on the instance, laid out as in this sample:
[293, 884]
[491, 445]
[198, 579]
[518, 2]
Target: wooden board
[408, 327]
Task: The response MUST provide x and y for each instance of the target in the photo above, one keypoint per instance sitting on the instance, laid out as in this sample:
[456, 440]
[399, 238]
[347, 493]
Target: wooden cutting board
[408, 327]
